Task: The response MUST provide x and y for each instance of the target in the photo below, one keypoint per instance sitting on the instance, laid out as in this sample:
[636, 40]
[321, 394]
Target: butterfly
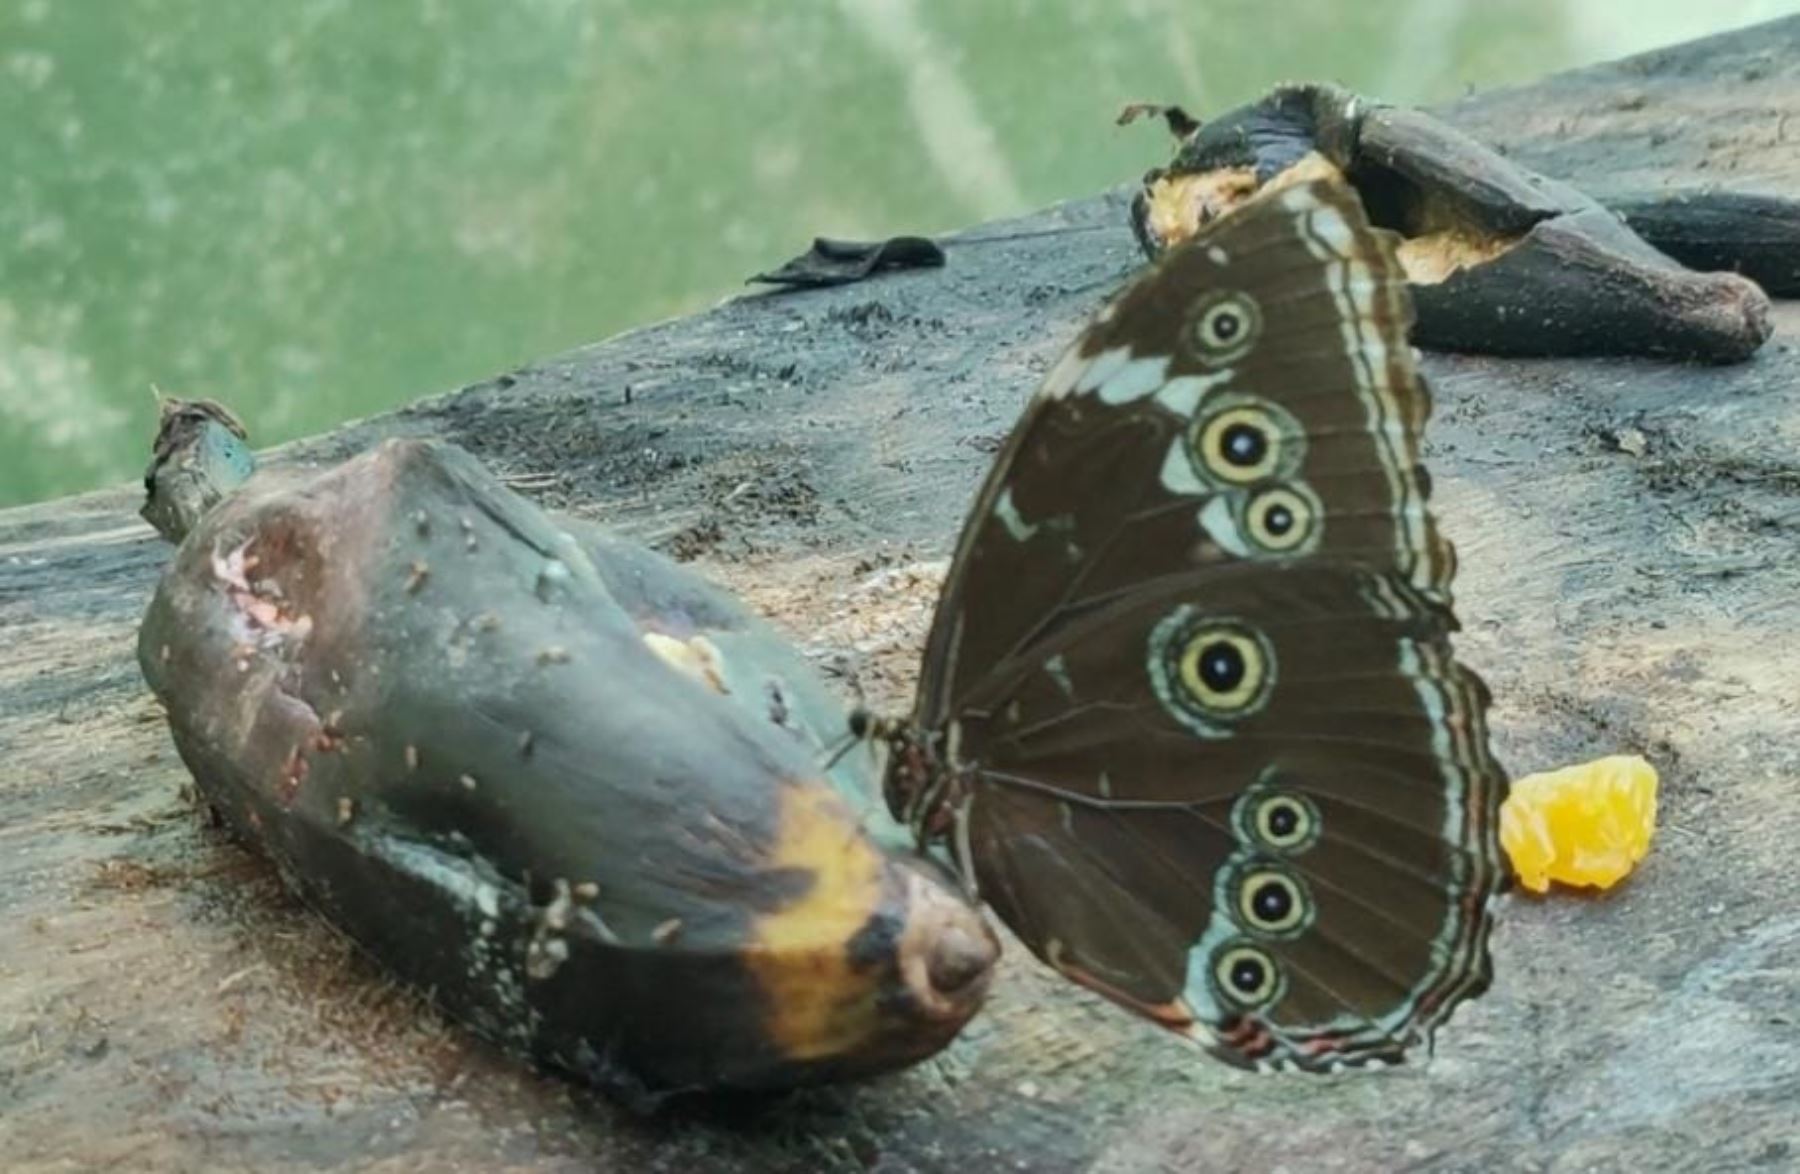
[1188, 718]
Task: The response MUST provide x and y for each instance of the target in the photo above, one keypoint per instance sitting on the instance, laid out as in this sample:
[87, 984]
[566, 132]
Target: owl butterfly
[1189, 718]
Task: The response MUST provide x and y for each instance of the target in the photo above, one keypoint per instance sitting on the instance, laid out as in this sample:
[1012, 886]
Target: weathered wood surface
[162, 1005]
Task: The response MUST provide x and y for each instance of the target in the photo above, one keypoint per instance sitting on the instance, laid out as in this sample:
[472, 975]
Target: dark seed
[1284, 821]
[1278, 520]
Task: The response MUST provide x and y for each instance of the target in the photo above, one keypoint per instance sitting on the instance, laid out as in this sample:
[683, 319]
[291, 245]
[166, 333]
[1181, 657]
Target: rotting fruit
[560, 781]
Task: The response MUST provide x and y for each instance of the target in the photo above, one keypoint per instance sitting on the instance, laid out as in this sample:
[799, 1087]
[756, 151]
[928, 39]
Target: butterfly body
[1188, 720]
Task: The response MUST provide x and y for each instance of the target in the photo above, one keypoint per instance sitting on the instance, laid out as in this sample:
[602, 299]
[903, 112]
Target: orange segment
[1582, 825]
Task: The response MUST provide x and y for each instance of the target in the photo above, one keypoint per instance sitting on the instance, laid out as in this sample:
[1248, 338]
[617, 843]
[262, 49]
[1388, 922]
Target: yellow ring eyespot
[1240, 445]
[1224, 669]
[1281, 519]
[1284, 822]
[1208, 671]
[1247, 976]
[1224, 326]
[1272, 902]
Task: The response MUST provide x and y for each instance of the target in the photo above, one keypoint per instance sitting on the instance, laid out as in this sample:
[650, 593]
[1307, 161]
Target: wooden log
[1627, 532]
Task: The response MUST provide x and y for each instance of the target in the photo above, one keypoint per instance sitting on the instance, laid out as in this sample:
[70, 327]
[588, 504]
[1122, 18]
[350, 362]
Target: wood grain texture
[163, 1005]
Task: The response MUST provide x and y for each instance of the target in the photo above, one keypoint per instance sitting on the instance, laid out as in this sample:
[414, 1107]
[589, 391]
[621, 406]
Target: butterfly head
[918, 781]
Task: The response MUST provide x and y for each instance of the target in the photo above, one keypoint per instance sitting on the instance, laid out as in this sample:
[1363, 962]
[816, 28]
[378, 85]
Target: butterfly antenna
[860, 727]
[839, 747]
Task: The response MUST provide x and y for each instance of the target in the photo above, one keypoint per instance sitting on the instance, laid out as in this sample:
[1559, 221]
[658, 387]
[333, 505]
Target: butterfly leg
[965, 856]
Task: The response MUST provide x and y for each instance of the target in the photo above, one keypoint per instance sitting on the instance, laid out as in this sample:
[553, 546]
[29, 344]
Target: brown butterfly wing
[1097, 488]
[1128, 811]
[1193, 654]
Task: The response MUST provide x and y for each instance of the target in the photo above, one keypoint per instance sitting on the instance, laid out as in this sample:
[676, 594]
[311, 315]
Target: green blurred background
[316, 209]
